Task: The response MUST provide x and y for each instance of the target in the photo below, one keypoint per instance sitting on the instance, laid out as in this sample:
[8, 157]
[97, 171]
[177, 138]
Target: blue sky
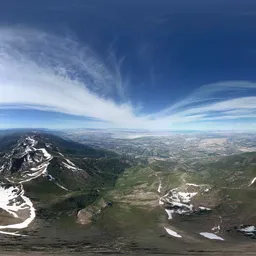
[128, 64]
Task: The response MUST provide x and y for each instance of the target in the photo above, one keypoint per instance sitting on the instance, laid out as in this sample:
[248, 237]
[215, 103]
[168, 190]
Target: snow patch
[1, 168]
[70, 162]
[248, 229]
[35, 161]
[204, 208]
[41, 172]
[46, 155]
[169, 213]
[186, 197]
[31, 140]
[172, 233]
[177, 202]
[15, 203]
[216, 228]
[58, 184]
[161, 202]
[211, 236]
[254, 179]
[11, 233]
[51, 178]
[70, 166]
[48, 145]
[192, 184]
[159, 187]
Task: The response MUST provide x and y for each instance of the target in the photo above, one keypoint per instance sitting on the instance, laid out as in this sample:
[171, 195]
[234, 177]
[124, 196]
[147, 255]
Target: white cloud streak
[50, 73]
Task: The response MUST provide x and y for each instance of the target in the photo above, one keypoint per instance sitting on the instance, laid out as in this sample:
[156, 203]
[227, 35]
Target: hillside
[56, 193]
[53, 176]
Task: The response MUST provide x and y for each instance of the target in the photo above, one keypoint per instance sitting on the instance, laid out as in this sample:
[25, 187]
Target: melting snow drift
[172, 233]
[252, 182]
[211, 236]
[159, 187]
[248, 229]
[13, 201]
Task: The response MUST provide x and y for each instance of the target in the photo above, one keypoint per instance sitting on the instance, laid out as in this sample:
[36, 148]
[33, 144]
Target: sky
[137, 64]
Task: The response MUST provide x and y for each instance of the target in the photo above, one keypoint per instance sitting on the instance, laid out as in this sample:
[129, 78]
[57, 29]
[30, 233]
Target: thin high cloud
[50, 73]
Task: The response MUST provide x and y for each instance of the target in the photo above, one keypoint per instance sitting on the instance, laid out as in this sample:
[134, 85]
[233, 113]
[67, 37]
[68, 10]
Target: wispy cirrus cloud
[51, 73]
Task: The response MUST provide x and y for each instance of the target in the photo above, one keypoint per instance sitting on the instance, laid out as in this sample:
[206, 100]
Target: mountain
[44, 175]
[216, 198]
[59, 195]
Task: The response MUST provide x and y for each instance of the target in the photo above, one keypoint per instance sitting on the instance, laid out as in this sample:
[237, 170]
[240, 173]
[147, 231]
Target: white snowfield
[172, 233]
[211, 236]
[13, 201]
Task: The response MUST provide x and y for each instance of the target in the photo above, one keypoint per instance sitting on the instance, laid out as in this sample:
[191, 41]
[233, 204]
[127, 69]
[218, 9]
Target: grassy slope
[229, 177]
